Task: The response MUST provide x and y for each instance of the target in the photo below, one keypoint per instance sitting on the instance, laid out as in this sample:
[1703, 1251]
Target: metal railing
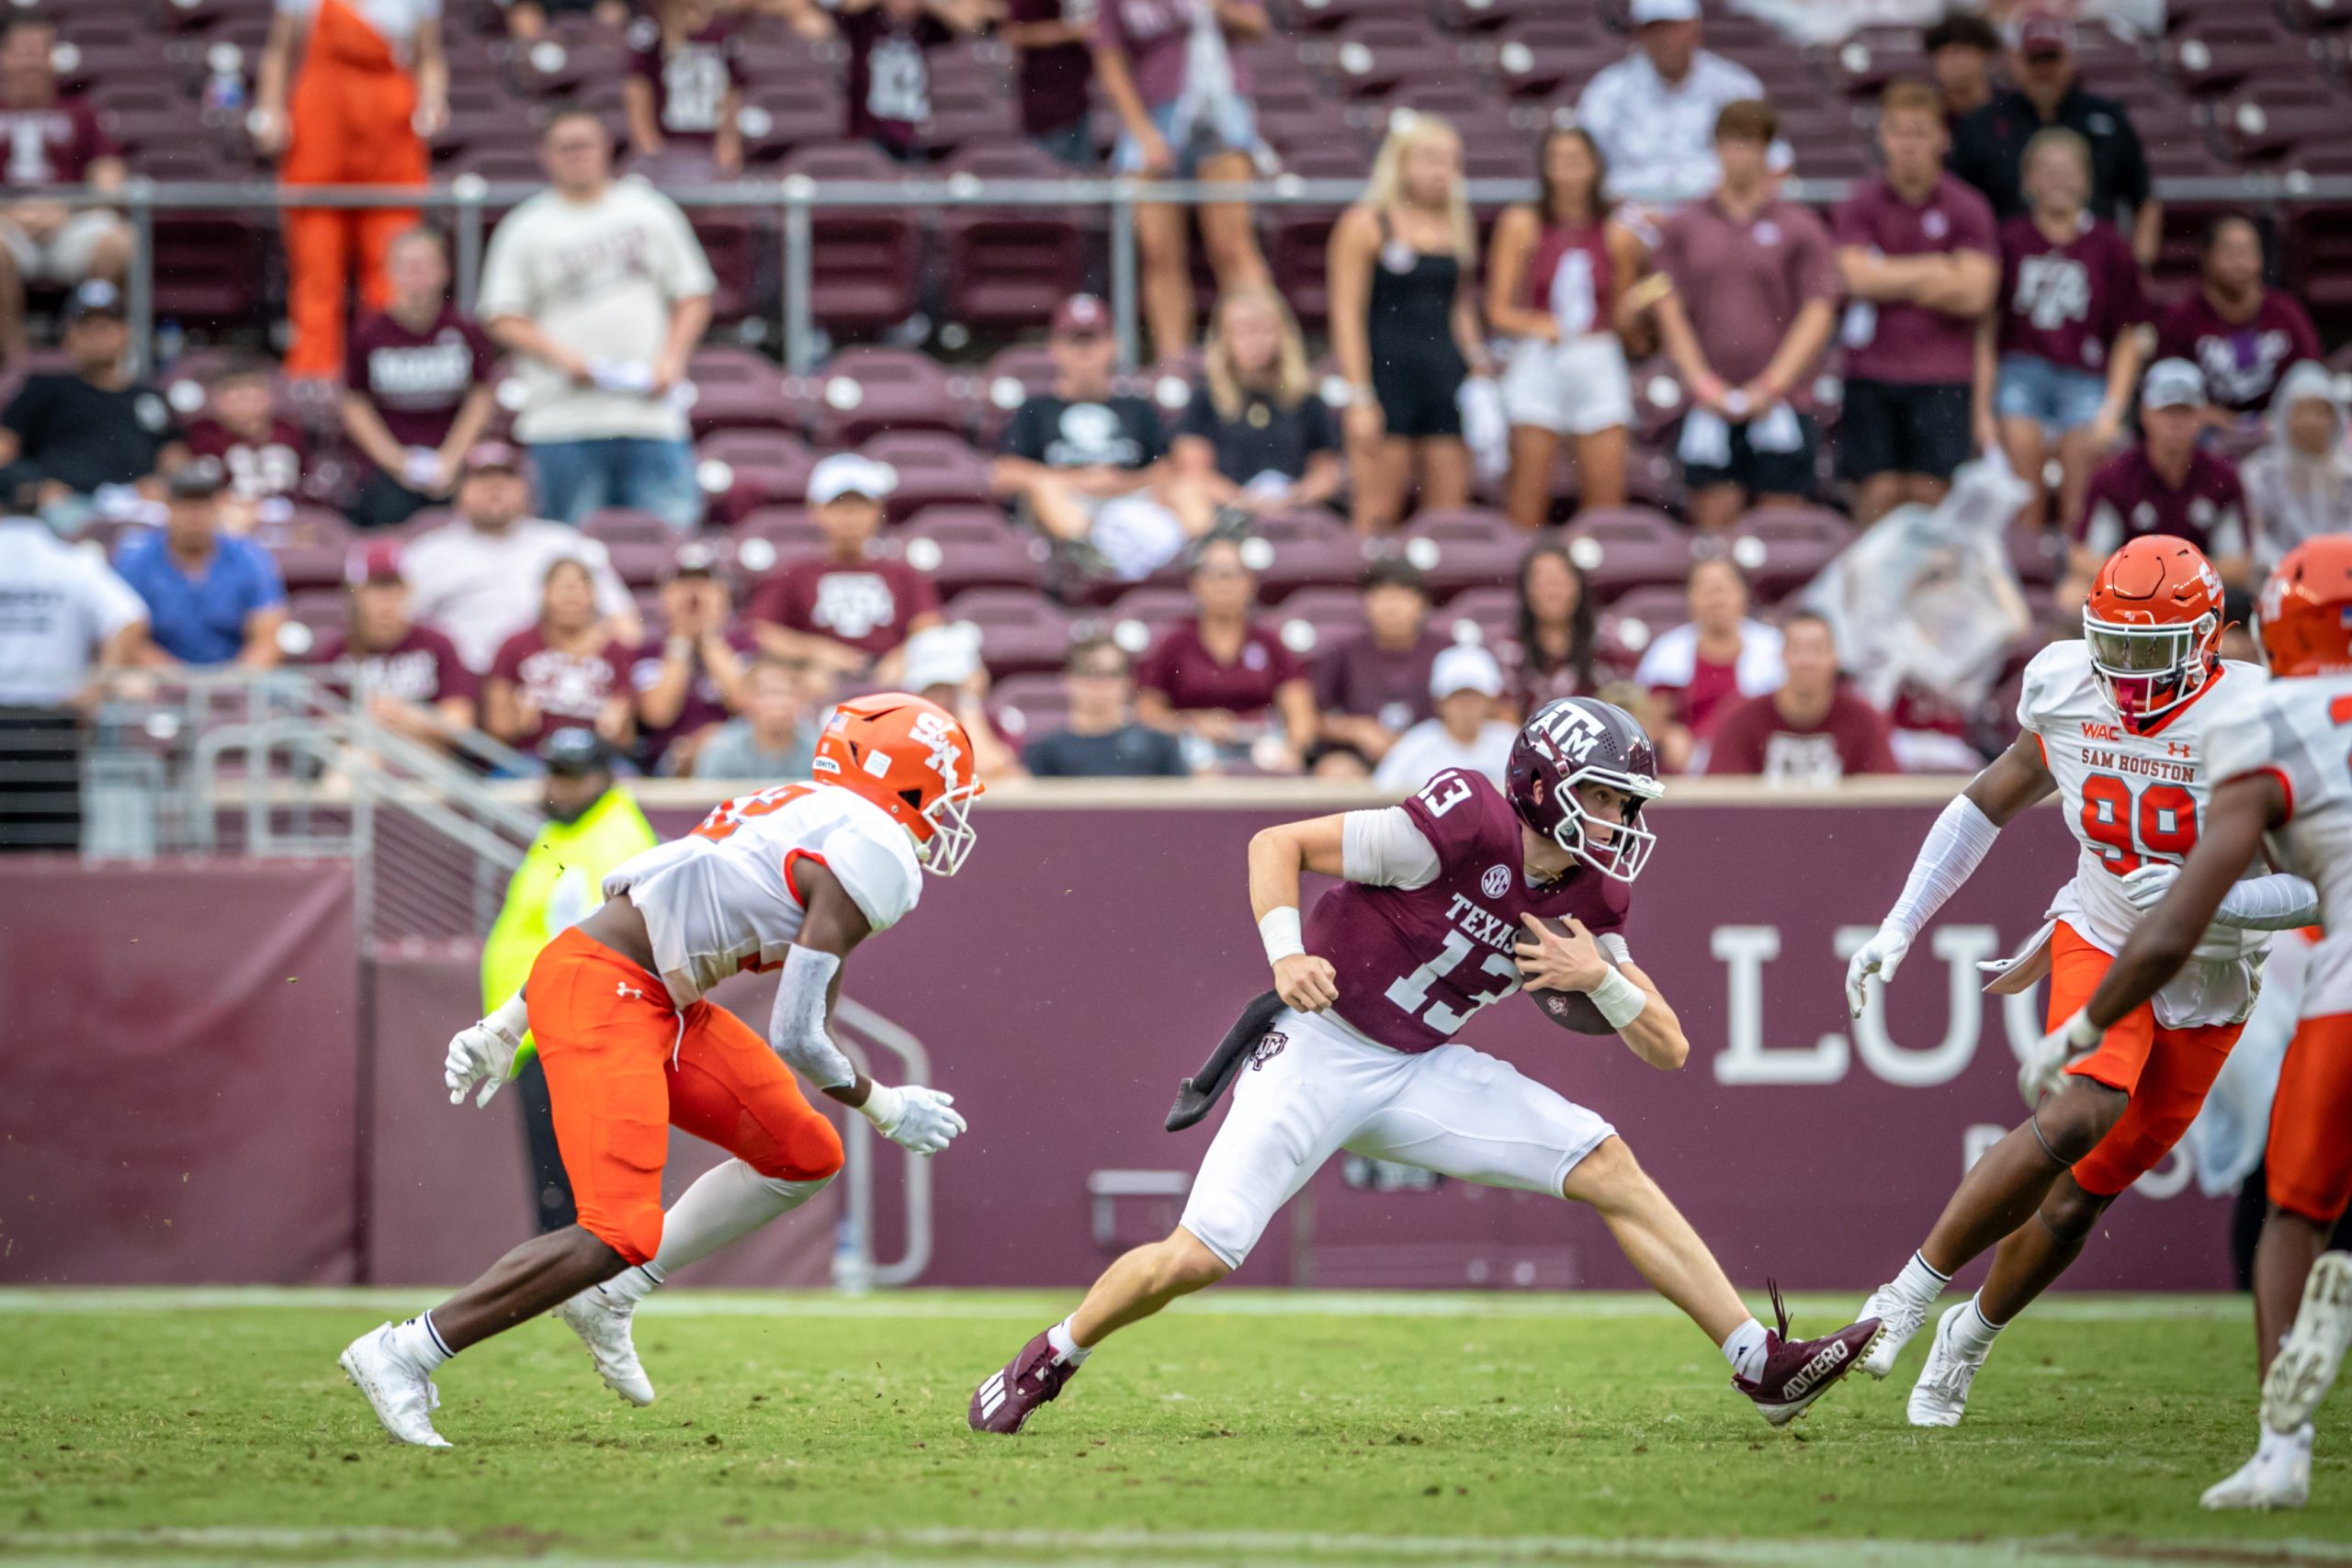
[795, 200]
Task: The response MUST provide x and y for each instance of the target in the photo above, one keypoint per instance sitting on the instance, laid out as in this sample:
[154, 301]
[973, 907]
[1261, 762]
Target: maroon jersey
[1415, 963]
[867, 604]
[418, 380]
[1570, 278]
[569, 688]
[1908, 344]
[1743, 281]
[1181, 668]
[890, 75]
[2066, 303]
[705, 704]
[2128, 498]
[1366, 681]
[266, 470]
[2242, 360]
[1755, 737]
[689, 77]
[52, 146]
[421, 667]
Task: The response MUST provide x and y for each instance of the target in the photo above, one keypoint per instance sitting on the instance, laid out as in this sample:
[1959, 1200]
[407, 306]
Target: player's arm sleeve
[2279, 902]
[1382, 848]
[1953, 851]
[797, 1025]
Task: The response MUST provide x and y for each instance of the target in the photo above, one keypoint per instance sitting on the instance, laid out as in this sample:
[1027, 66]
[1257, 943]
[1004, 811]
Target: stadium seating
[1626, 548]
[1019, 630]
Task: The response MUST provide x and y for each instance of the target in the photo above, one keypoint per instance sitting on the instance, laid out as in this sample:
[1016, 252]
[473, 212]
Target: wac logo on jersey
[2094, 730]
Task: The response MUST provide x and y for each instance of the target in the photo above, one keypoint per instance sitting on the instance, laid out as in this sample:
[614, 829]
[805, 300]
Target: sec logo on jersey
[1496, 882]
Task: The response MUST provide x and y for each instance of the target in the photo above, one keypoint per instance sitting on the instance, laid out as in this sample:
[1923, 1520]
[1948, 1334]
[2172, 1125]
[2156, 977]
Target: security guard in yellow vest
[591, 827]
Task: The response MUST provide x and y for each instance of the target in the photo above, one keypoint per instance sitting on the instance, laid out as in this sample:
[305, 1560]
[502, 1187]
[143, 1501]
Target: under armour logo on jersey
[992, 1394]
[2179, 749]
[623, 989]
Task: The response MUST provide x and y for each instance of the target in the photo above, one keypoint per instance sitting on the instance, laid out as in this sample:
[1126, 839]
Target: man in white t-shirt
[601, 290]
[1464, 681]
[1653, 113]
[64, 616]
[479, 580]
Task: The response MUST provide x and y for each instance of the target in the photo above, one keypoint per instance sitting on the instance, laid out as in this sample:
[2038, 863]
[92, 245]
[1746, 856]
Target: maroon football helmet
[1580, 740]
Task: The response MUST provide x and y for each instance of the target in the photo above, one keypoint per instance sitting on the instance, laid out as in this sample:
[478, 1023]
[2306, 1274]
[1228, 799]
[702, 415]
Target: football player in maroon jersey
[1448, 904]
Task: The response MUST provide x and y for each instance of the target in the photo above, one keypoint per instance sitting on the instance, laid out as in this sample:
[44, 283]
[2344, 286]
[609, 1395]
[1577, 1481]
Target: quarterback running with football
[2112, 724]
[791, 879]
[2283, 772]
[1446, 906]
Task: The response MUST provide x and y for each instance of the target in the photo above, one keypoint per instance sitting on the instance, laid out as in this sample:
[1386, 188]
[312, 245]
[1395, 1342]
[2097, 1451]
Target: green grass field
[1241, 1428]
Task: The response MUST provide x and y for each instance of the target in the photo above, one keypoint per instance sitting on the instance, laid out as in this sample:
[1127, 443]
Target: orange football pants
[2309, 1159]
[2166, 1071]
[350, 118]
[624, 1066]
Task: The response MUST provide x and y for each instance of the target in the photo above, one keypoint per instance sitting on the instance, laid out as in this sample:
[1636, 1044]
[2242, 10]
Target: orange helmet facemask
[2153, 624]
[2306, 614]
[912, 758]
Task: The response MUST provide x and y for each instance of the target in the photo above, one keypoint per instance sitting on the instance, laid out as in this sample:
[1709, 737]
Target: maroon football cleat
[1798, 1371]
[1005, 1400]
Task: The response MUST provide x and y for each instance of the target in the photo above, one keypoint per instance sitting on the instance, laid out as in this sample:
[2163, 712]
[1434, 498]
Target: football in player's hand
[1572, 1009]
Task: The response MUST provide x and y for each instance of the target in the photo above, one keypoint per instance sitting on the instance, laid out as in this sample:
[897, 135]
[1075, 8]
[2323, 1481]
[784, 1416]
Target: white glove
[484, 1053]
[1882, 955]
[2146, 886]
[913, 1117]
[2045, 1064]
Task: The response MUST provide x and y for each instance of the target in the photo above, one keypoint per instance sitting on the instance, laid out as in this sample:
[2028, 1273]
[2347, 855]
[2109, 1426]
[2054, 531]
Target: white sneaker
[2313, 1352]
[402, 1396]
[1899, 1318]
[1940, 1396]
[603, 1324]
[2278, 1476]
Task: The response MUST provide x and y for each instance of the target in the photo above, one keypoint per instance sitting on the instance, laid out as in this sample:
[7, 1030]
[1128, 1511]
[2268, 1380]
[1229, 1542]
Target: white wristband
[1279, 931]
[1620, 1000]
[2082, 1034]
[883, 1105]
[513, 1019]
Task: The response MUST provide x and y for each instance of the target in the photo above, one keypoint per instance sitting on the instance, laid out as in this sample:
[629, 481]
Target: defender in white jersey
[790, 879]
[2283, 764]
[2112, 724]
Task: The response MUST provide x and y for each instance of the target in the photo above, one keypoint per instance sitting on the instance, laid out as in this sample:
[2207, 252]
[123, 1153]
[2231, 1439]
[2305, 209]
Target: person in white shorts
[1448, 902]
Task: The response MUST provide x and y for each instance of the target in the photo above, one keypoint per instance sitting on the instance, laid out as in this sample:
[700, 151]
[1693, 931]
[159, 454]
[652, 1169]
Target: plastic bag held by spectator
[1485, 430]
[1928, 595]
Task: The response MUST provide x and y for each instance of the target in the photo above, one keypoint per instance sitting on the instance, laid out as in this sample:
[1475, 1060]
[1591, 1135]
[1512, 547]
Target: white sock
[1066, 1345]
[1744, 1350]
[1972, 1331]
[420, 1342]
[2277, 1446]
[725, 1204]
[631, 1286]
[1918, 1283]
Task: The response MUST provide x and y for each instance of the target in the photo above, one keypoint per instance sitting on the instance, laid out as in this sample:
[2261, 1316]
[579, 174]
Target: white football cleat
[2278, 1476]
[1899, 1319]
[2313, 1351]
[1940, 1396]
[603, 1324]
[399, 1391]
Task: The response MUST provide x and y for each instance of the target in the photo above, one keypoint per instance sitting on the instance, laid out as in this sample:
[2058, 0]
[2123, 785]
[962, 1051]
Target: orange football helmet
[908, 756]
[2153, 622]
[2306, 614]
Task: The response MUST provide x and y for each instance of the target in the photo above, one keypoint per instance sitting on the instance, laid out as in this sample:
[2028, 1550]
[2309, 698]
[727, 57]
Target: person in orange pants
[372, 86]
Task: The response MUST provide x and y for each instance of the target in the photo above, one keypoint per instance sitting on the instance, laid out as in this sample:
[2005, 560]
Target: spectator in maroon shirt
[690, 679]
[1372, 688]
[889, 67]
[50, 142]
[685, 83]
[1698, 670]
[421, 688]
[2241, 333]
[1920, 258]
[1811, 731]
[1225, 681]
[417, 386]
[2060, 356]
[1960, 50]
[1549, 654]
[566, 672]
[265, 457]
[1050, 42]
[1754, 301]
[850, 610]
[2166, 484]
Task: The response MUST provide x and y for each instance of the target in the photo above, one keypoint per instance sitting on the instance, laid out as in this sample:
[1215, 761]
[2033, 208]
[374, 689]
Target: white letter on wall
[1959, 948]
[1745, 1059]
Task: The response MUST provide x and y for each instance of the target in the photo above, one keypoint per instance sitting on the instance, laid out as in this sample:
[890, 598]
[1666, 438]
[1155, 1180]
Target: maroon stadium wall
[180, 1080]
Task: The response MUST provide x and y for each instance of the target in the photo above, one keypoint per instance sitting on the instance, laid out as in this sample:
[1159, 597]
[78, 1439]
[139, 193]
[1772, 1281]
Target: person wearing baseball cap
[92, 430]
[1988, 146]
[1653, 113]
[850, 609]
[212, 598]
[413, 681]
[1466, 731]
[2166, 483]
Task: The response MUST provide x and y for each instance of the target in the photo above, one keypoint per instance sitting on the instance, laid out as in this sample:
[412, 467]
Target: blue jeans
[1225, 125]
[1072, 144]
[578, 477]
[2053, 396]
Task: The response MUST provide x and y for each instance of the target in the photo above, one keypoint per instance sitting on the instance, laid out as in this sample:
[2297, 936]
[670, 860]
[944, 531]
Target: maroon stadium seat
[2038, 555]
[2251, 46]
[1313, 621]
[1626, 547]
[786, 531]
[738, 389]
[1368, 57]
[781, 115]
[865, 392]
[1480, 16]
[313, 547]
[863, 264]
[322, 613]
[1653, 610]
[1534, 57]
[207, 268]
[934, 469]
[1463, 548]
[973, 546]
[1137, 617]
[1326, 15]
[1492, 612]
[1027, 706]
[1019, 630]
[1303, 550]
[1013, 375]
[763, 467]
[2267, 122]
[1782, 548]
[1008, 265]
